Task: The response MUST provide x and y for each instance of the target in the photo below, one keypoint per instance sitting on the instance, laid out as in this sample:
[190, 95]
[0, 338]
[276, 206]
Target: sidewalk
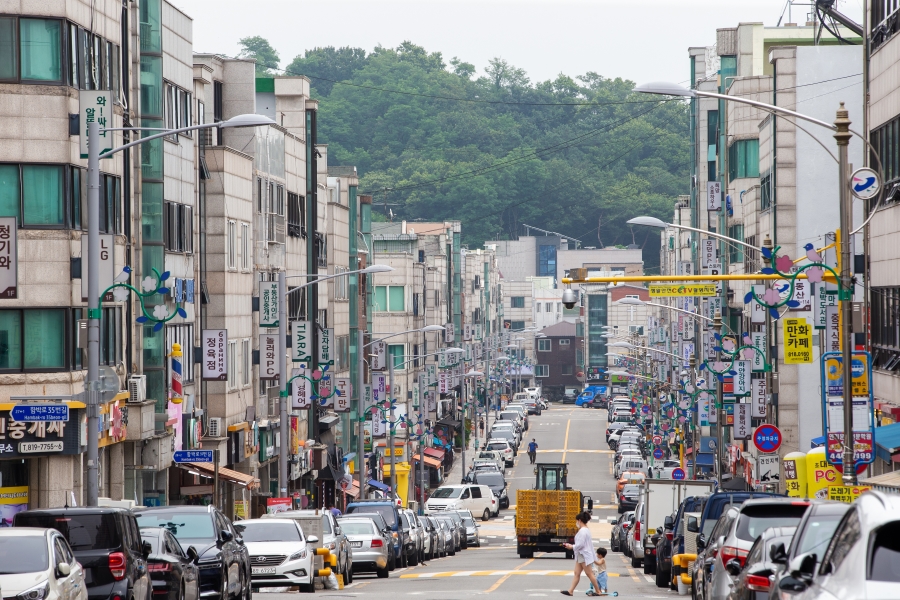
[456, 473]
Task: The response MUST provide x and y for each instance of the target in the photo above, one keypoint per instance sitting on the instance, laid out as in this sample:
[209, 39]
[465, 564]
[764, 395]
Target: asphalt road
[564, 434]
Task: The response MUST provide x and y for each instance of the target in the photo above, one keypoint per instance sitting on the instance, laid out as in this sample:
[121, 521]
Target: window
[847, 534]
[397, 351]
[179, 227]
[232, 364]
[514, 325]
[245, 246]
[342, 353]
[231, 244]
[517, 301]
[296, 215]
[110, 201]
[885, 302]
[40, 50]
[736, 252]
[766, 193]
[321, 249]
[547, 261]
[542, 370]
[548, 307]
[33, 339]
[178, 108]
[476, 492]
[564, 341]
[390, 298]
[566, 369]
[743, 159]
[341, 284]
[184, 335]
[246, 367]
[885, 141]
[545, 345]
[43, 196]
[537, 307]
[579, 357]
[885, 555]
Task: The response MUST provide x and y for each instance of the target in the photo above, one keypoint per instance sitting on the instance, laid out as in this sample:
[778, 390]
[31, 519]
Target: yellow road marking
[507, 576]
[566, 441]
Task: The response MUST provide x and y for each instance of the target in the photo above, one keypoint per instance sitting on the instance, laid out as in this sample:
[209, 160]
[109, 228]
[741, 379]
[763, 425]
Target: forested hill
[498, 150]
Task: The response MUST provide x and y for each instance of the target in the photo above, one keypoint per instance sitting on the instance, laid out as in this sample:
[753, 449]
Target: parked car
[497, 484]
[753, 580]
[390, 512]
[38, 564]
[814, 532]
[663, 469]
[508, 435]
[454, 516]
[633, 477]
[451, 532]
[507, 426]
[386, 532]
[173, 571]
[635, 538]
[224, 561]
[673, 542]
[280, 554]
[861, 560]
[504, 447]
[472, 537]
[630, 463]
[434, 542]
[740, 526]
[479, 499]
[105, 541]
[416, 544]
[370, 546]
[569, 398]
[324, 526]
[628, 499]
[620, 524]
[494, 455]
[613, 427]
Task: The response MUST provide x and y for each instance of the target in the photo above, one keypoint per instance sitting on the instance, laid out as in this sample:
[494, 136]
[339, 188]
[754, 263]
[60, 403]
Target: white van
[478, 499]
[630, 463]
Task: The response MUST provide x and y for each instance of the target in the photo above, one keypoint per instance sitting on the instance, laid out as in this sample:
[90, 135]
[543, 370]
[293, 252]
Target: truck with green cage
[545, 515]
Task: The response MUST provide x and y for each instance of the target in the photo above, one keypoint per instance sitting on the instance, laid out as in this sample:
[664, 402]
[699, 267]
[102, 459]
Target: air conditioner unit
[216, 427]
[137, 388]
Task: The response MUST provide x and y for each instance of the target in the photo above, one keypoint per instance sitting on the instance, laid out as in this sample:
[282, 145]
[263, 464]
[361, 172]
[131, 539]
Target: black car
[673, 541]
[497, 483]
[619, 533]
[410, 549]
[224, 561]
[814, 532]
[107, 543]
[173, 569]
[569, 398]
[752, 582]
[628, 499]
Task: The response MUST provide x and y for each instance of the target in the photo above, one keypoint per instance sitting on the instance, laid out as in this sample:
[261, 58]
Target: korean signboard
[325, 392]
[342, 397]
[713, 196]
[379, 356]
[802, 294]
[21, 439]
[833, 382]
[845, 493]
[834, 374]
[742, 377]
[268, 304]
[95, 106]
[768, 468]
[9, 258]
[215, 354]
[367, 399]
[742, 422]
[758, 340]
[675, 290]
[301, 342]
[797, 341]
[268, 356]
[758, 399]
[444, 381]
[432, 401]
[757, 310]
[703, 409]
[379, 427]
[478, 331]
[448, 333]
[107, 265]
[824, 299]
[715, 269]
[379, 388]
[300, 392]
[467, 332]
[709, 253]
[832, 329]
[325, 355]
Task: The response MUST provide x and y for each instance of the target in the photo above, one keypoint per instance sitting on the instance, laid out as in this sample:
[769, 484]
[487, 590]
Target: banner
[9, 258]
[797, 341]
[758, 340]
[680, 290]
[703, 409]
[342, 398]
[325, 355]
[301, 346]
[757, 310]
[709, 253]
[368, 399]
[713, 196]
[379, 356]
[379, 388]
[268, 304]
[300, 388]
[824, 299]
[467, 332]
[215, 355]
[268, 356]
[326, 392]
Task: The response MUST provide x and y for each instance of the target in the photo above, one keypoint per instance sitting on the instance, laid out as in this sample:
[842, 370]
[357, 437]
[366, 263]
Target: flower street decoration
[774, 297]
[320, 374]
[151, 285]
[732, 352]
[385, 407]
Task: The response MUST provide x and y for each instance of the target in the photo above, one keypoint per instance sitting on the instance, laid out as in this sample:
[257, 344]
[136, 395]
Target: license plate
[558, 540]
[262, 570]
[356, 544]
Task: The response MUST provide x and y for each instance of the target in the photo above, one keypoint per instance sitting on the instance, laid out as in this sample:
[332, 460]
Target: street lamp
[284, 426]
[654, 222]
[95, 312]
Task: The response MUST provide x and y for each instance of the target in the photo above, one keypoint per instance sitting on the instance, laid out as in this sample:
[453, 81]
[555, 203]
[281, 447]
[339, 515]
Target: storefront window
[10, 340]
[41, 49]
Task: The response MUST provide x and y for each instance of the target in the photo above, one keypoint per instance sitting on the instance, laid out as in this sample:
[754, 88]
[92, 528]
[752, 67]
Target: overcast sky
[641, 40]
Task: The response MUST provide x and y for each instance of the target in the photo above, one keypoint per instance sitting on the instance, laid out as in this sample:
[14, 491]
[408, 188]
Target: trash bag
[331, 582]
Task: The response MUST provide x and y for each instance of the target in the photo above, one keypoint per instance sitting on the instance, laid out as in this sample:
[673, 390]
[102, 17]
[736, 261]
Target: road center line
[508, 575]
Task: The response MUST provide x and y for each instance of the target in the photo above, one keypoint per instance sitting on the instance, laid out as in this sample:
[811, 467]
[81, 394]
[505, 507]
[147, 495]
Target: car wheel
[248, 590]
[486, 515]
[308, 588]
[649, 567]
[414, 559]
[382, 573]
[635, 561]
[662, 578]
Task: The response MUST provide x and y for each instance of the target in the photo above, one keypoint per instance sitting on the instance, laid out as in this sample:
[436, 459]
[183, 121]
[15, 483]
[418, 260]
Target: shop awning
[447, 421]
[431, 462]
[435, 453]
[378, 485]
[817, 442]
[886, 482]
[706, 459]
[208, 469]
[887, 441]
[353, 490]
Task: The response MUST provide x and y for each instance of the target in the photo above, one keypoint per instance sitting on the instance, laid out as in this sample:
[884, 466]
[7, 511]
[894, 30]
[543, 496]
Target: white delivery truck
[661, 498]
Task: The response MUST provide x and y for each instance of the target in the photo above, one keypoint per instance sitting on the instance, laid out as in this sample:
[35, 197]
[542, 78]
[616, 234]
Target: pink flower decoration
[317, 374]
[718, 366]
[689, 388]
[784, 263]
[815, 274]
[728, 344]
[771, 297]
[747, 354]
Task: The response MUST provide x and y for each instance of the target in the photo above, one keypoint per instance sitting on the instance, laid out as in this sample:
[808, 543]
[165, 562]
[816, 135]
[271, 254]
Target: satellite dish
[109, 383]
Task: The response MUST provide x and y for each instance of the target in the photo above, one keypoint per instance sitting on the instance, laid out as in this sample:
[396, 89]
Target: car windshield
[817, 533]
[385, 510]
[491, 479]
[260, 531]
[23, 554]
[83, 531]
[468, 521]
[358, 528]
[756, 519]
[497, 446]
[447, 492]
[183, 525]
[631, 489]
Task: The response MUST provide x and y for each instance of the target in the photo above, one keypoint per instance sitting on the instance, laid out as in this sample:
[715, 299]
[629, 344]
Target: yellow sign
[797, 342]
[681, 290]
[240, 509]
[846, 493]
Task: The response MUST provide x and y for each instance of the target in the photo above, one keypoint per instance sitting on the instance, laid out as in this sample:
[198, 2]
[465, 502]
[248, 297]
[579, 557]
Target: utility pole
[360, 411]
[391, 424]
[284, 426]
[842, 137]
[92, 385]
[720, 406]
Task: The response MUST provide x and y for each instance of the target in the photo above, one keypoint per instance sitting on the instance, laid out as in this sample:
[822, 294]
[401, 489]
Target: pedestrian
[532, 450]
[481, 425]
[334, 510]
[599, 569]
[583, 548]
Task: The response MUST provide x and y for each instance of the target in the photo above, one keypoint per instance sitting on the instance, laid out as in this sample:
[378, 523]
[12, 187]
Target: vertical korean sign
[106, 267]
[95, 106]
[342, 395]
[758, 399]
[709, 253]
[757, 310]
[713, 196]
[325, 355]
[215, 354]
[742, 377]
[9, 261]
[742, 421]
[268, 304]
[758, 340]
[467, 332]
[268, 356]
[379, 356]
[797, 341]
[300, 388]
[301, 348]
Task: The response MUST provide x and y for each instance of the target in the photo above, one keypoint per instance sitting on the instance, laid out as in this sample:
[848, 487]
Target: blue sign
[767, 438]
[193, 456]
[678, 474]
[645, 409]
[33, 413]
[658, 453]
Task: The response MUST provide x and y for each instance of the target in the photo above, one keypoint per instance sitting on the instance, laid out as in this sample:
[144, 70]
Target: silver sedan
[370, 548]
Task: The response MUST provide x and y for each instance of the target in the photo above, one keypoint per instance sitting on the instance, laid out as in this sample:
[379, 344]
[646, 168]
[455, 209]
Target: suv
[497, 483]
[505, 448]
[106, 541]
[672, 542]
[322, 524]
[224, 560]
[391, 513]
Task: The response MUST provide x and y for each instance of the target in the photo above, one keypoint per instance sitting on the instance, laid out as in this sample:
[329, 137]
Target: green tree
[325, 66]
[259, 49]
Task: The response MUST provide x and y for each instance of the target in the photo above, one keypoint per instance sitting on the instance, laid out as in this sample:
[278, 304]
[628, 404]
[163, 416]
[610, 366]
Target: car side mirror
[312, 539]
[63, 569]
[226, 536]
[146, 548]
[777, 554]
[701, 542]
[193, 554]
[693, 525]
[669, 522]
[733, 567]
[803, 567]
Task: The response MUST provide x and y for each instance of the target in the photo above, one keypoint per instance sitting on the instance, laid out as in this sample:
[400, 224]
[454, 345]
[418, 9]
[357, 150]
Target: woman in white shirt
[584, 554]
